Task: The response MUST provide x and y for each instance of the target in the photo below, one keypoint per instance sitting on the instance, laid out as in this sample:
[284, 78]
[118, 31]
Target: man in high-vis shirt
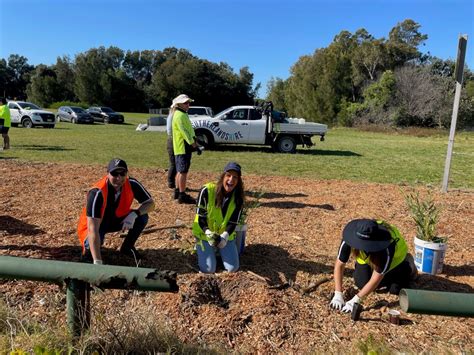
[108, 209]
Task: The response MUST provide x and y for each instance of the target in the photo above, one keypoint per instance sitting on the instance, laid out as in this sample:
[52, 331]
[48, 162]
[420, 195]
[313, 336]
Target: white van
[29, 115]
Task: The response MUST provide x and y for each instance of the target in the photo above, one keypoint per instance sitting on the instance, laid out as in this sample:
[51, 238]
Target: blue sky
[267, 36]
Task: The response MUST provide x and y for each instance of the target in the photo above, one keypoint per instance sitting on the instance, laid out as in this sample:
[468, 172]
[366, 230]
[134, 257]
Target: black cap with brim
[366, 235]
[116, 164]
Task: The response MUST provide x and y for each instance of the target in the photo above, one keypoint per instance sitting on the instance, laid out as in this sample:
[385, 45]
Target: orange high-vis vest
[123, 209]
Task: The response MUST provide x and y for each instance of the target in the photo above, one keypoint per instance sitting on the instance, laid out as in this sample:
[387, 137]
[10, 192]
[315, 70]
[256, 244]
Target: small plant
[249, 206]
[425, 213]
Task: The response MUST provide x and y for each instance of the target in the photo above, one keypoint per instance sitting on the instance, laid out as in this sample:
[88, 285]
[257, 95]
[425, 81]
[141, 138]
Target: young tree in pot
[430, 248]
[241, 229]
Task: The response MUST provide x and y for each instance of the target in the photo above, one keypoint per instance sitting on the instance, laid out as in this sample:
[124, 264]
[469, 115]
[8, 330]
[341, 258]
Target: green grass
[346, 154]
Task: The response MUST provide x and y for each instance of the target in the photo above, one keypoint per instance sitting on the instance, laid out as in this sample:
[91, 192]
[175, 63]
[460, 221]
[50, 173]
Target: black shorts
[4, 130]
[183, 162]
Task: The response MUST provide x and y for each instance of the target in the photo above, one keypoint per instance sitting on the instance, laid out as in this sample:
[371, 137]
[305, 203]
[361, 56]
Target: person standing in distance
[184, 142]
[169, 148]
[5, 122]
[108, 209]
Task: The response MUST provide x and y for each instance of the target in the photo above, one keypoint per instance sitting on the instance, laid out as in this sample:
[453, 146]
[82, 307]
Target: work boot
[176, 194]
[185, 198]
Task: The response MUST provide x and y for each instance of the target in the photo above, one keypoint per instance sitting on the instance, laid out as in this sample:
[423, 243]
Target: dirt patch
[278, 301]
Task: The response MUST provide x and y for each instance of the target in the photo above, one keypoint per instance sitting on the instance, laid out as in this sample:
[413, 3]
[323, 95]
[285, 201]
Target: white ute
[29, 115]
[256, 125]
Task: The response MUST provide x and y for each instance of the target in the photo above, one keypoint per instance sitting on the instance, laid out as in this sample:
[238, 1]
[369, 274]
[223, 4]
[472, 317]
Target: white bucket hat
[181, 99]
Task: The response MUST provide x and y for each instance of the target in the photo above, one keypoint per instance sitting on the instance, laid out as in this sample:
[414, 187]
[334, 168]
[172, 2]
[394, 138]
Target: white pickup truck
[29, 115]
[256, 126]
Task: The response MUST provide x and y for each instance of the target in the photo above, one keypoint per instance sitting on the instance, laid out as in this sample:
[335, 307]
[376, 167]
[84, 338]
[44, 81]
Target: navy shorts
[183, 162]
[4, 130]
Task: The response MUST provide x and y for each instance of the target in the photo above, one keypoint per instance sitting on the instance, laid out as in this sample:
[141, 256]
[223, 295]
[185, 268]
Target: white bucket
[429, 257]
[240, 235]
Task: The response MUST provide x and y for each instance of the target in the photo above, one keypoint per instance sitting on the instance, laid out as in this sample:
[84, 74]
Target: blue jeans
[207, 257]
[132, 235]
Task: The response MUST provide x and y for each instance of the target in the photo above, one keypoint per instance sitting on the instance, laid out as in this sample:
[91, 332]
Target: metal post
[80, 276]
[78, 306]
[457, 97]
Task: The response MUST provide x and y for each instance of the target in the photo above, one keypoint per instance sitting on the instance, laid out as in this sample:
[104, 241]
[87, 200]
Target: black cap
[115, 164]
[233, 166]
[366, 235]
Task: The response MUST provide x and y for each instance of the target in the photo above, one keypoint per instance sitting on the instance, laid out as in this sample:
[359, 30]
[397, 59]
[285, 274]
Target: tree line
[130, 81]
[358, 79]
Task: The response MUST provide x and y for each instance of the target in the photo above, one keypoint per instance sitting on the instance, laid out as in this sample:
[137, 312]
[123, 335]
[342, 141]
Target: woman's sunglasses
[117, 173]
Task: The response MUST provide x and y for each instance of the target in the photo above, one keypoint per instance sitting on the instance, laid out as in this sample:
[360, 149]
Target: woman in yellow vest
[5, 122]
[217, 215]
[381, 260]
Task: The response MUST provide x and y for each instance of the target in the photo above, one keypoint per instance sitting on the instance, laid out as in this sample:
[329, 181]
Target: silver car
[74, 114]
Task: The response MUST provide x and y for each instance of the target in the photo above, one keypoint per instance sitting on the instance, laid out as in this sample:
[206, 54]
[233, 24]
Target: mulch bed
[279, 299]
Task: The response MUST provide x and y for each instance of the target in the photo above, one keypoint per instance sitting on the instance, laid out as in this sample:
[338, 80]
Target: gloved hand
[350, 304]
[129, 221]
[337, 301]
[211, 237]
[223, 240]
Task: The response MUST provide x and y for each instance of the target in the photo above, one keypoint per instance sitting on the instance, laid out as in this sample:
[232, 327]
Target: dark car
[73, 114]
[105, 114]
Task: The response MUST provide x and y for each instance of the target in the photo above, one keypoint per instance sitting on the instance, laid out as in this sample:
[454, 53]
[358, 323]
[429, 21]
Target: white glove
[129, 221]
[223, 241]
[98, 262]
[211, 239]
[337, 301]
[350, 304]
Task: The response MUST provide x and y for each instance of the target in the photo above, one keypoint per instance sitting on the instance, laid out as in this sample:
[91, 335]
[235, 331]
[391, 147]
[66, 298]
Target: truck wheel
[27, 123]
[286, 144]
[205, 139]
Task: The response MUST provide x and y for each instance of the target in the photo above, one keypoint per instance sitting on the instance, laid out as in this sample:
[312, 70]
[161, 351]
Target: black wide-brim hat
[366, 235]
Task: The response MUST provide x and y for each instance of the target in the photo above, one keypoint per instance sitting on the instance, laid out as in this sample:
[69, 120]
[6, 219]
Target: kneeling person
[218, 212]
[108, 210]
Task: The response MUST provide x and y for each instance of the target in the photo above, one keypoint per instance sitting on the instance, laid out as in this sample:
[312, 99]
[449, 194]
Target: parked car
[105, 114]
[30, 115]
[73, 114]
[200, 111]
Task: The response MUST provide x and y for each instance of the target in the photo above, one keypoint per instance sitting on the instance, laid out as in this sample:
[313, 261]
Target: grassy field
[346, 154]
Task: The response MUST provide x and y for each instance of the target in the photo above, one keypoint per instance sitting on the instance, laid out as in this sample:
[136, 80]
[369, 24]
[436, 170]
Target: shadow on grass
[43, 147]
[293, 205]
[7, 158]
[271, 261]
[265, 149]
[14, 226]
[438, 283]
[271, 195]
[462, 270]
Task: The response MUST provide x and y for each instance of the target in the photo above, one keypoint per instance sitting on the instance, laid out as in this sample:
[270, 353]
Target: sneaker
[130, 252]
[185, 198]
[176, 194]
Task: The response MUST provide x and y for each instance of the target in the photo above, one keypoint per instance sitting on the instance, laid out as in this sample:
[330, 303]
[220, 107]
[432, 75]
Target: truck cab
[234, 125]
[247, 124]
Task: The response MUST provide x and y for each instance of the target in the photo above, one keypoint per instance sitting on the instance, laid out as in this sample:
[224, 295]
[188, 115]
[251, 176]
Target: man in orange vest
[108, 209]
